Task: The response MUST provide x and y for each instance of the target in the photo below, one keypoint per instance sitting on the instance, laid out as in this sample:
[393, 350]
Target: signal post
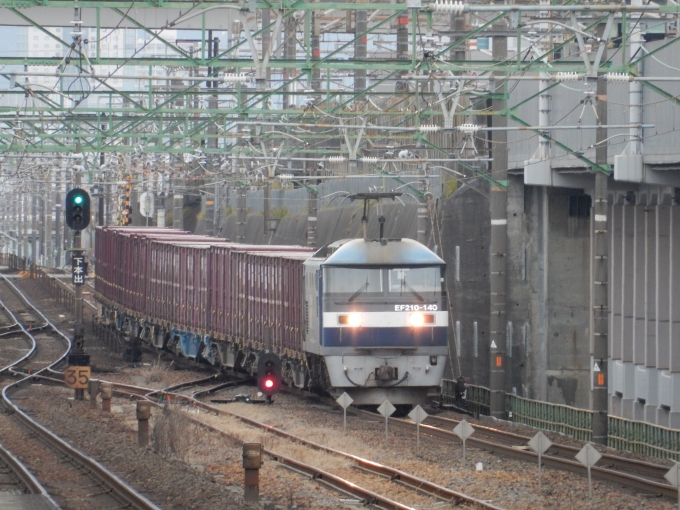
[77, 213]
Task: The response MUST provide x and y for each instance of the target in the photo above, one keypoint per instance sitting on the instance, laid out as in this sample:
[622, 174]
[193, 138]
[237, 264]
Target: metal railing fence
[630, 435]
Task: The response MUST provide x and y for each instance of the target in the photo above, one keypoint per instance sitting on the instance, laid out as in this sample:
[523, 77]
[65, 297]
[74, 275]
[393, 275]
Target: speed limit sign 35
[77, 377]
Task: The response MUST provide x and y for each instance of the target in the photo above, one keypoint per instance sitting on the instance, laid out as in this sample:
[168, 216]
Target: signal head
[77, 209]
[268, 373]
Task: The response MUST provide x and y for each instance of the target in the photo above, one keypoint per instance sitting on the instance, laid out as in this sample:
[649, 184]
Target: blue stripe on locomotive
[384, 337]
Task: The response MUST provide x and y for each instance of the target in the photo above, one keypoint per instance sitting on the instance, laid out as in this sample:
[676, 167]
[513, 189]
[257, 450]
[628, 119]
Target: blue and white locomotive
[377, 315]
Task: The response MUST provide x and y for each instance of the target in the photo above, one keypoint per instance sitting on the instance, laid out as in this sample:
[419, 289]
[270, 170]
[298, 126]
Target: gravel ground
[507, 483]
[203, 473]
[12, 349]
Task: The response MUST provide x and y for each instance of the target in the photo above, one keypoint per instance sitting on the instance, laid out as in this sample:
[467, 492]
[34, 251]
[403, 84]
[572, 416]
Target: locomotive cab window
[418, 281]
[397, 283]
[353, 283]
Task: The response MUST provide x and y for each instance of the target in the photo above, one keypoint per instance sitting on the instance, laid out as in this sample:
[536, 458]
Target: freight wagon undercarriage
[130, 336]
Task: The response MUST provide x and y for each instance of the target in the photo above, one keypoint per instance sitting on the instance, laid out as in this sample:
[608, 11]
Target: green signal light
[78, 199]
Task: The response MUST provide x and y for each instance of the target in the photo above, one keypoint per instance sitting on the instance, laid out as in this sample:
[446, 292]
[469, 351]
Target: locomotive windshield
[356, 284]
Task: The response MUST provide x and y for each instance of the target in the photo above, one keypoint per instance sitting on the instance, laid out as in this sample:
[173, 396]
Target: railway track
[637, 474]
[641, 476]
[618, 469]
[74, 479]
[388, 475]
[19, 487]
[206, 386]
[646, 469]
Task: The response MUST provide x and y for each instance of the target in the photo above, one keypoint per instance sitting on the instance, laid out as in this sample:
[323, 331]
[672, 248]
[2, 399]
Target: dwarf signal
[269, 373]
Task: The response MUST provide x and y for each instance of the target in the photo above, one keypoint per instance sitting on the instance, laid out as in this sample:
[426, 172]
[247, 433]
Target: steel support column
[599, 274]
[499, 235]
[360, 47]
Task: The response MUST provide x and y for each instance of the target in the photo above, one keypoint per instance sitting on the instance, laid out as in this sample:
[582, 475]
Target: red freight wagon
[204, 284]
[111, 249]
[145, 255]
[267, 299]
[224, 315]
[280, 298]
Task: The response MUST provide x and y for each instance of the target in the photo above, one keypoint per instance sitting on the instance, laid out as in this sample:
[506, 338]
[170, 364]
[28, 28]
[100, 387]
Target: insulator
[618, 78]
[567, 77]
[234, 78]
[449, 6]
[285, 177]
[336, 159]
[429, 128]
[369, 159]
[468, 128]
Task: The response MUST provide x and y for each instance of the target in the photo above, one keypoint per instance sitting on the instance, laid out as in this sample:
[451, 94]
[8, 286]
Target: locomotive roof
[398, 252]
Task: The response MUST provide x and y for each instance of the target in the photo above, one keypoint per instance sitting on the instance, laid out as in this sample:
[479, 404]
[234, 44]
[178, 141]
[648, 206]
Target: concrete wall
[465, 223]
[548, 296]
[644, 378]
[332, 224]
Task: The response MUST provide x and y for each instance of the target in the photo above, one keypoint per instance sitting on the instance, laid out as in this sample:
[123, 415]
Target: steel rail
[628, 480]
[415, 483]
[123, 492]
[24, 476]
[603, 473]
[366, 496]
[218, 387]
[648, 468]
[47, 322]
[32, 343]
[189, 384]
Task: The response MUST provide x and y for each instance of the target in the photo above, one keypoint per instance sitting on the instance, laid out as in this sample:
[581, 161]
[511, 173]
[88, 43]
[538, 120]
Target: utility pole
[600, 269]
[499, 234]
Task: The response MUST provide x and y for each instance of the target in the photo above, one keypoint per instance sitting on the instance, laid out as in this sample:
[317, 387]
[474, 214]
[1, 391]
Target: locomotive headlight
[353, 320]
[418, 319]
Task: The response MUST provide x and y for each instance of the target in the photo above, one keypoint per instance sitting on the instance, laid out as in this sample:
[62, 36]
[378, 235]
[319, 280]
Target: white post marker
[345, 401]
[387, 410]
[418, 415]
[673, 476]
[540, 444]
[588, 456]
[463, 430]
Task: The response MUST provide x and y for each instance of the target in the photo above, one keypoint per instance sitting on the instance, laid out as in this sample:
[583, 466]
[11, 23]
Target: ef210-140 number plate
[415, 308]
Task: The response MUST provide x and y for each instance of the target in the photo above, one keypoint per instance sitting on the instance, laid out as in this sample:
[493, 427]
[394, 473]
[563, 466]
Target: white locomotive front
[376, 318]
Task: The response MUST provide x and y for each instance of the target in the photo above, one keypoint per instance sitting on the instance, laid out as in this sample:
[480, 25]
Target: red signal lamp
[269, 383]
